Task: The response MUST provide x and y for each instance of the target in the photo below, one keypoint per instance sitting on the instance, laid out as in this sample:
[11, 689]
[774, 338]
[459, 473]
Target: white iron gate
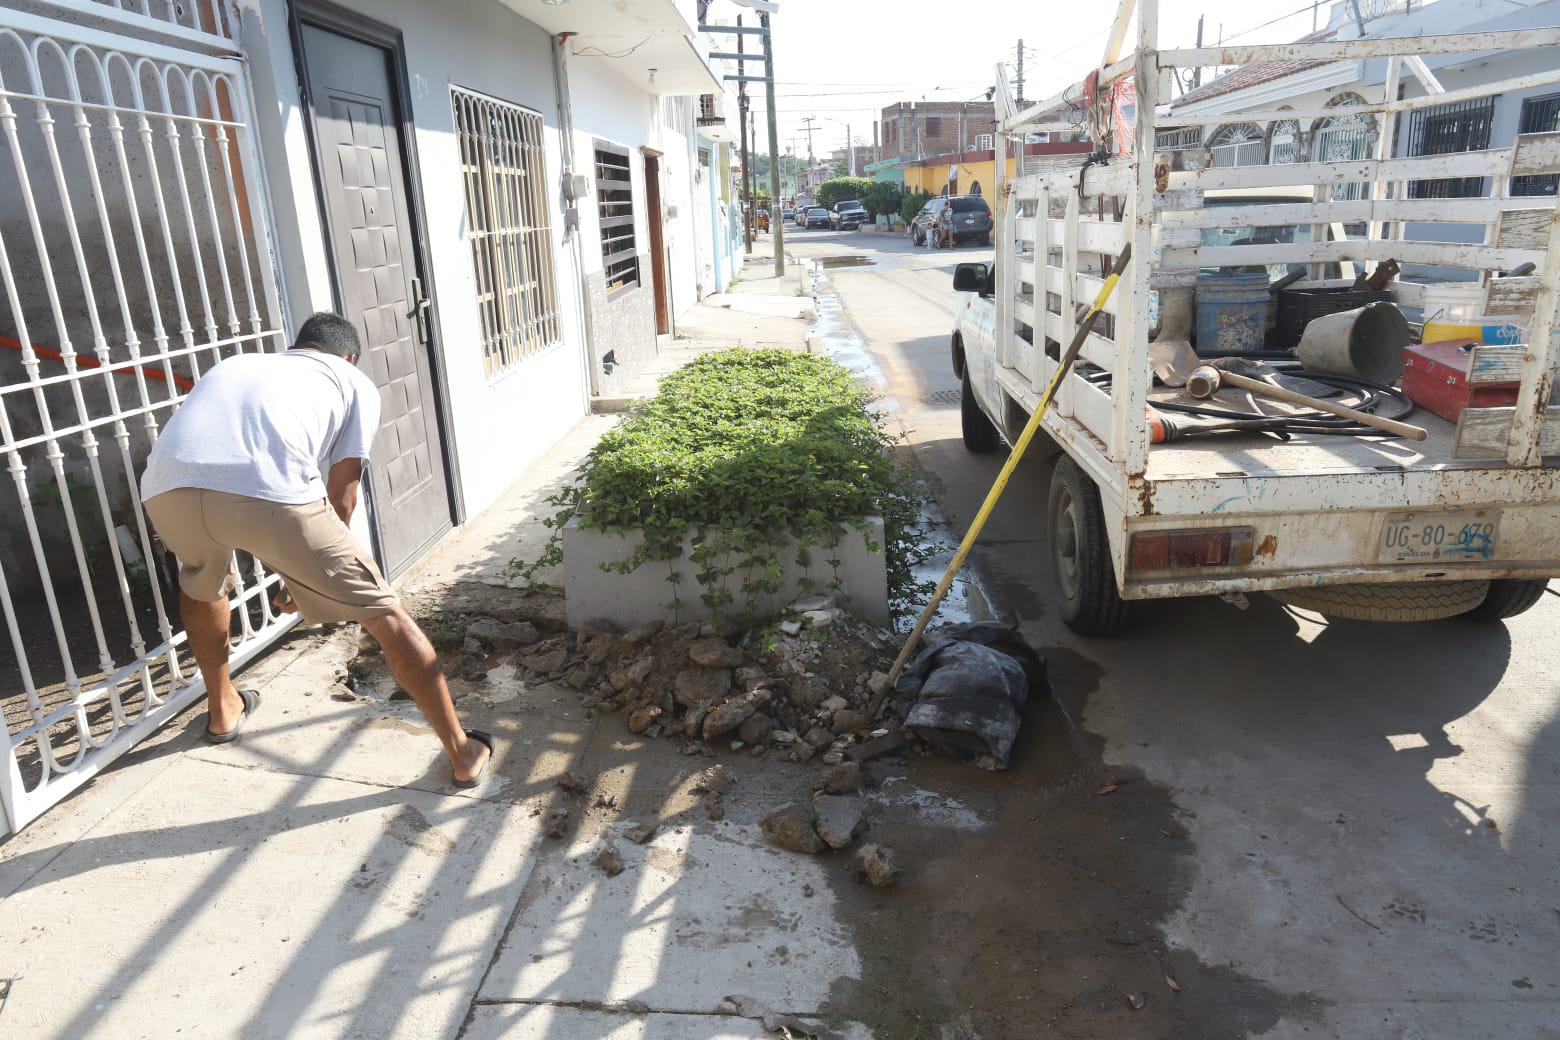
[134, 254]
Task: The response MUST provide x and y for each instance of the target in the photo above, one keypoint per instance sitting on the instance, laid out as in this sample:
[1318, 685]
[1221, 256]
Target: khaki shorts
[329, 575]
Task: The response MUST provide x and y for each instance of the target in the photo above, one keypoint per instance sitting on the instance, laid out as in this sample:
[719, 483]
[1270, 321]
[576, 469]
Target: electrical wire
[597, 52]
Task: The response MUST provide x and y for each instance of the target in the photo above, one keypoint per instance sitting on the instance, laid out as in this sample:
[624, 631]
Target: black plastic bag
[962, 693]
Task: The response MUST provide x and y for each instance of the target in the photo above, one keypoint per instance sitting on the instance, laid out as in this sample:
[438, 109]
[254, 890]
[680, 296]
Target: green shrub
[883, 198]
[746, 449]
[838, 189]
[912, 204]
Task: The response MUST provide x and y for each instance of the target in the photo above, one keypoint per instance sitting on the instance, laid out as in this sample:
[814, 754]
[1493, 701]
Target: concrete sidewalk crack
[624, 1007]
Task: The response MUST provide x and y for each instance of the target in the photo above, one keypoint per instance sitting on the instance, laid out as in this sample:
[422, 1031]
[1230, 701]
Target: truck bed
[1262, 455]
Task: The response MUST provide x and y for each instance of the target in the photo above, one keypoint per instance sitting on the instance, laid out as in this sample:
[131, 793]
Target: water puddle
[846, 261]
[834, 335]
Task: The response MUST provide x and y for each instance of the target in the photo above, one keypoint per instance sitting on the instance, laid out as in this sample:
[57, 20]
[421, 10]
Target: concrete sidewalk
[321, 877]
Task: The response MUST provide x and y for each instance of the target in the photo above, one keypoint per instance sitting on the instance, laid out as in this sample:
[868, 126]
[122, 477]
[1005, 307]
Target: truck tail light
[1201, 547]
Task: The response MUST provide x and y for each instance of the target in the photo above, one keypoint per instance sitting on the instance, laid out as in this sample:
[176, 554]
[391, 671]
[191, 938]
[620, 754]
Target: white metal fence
[134, 255]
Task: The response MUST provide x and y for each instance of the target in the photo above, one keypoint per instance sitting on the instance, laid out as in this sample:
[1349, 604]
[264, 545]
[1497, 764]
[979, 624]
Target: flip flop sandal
[251, 705]
[482, 738]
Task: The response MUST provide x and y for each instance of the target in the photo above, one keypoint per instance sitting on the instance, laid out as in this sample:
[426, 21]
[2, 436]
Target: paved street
[1359, 821]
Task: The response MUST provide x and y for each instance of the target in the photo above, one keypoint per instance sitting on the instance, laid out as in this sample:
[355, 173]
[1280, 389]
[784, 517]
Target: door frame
[322, 14]
[660, 287]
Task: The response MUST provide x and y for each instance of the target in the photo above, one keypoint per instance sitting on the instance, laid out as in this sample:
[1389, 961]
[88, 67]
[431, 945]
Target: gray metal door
[357, 130]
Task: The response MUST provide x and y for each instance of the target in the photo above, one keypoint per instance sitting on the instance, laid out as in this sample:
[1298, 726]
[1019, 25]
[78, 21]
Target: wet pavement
[1228, 823]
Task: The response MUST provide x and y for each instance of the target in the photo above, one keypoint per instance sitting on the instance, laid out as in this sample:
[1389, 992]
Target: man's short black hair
[329, 333]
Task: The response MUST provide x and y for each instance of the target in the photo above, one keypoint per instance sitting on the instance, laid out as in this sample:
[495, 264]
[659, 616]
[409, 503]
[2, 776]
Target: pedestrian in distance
[266, 455]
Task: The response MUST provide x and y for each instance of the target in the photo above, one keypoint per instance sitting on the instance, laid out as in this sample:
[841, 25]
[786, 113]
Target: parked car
[971, 215]
[814, 217]
[848, 215]
[788, 213]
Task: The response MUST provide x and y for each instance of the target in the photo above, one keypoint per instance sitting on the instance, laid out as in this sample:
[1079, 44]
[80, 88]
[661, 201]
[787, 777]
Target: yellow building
[973, 172]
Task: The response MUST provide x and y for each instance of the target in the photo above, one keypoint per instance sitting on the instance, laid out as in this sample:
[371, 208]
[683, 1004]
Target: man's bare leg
[206, 624]
[417, 668]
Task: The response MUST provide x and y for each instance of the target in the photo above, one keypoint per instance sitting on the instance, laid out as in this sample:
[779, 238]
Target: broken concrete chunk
[790, 826]
[807, 603]
[701, 685]
[791, 628]
[840, 818]
[643, 633]
[544, 662]
[845, 778]
[714, 780]
[728, 716]
[631, 675]
[750, 675]
[878, 684]
[835, 703]
[818, 737]
[502, 635]
[806, 694]
[640, 833]
[609, 861]
[714, 653]
[819, 618]
[755, 729]
[782, 737]
[640, 719]
[878, 746]
[876, 863]
[848, 720]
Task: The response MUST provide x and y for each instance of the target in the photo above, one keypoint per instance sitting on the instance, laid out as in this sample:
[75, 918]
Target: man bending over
[265, 455]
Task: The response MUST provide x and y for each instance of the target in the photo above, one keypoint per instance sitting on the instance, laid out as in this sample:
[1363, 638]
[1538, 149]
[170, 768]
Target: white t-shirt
[267, 426]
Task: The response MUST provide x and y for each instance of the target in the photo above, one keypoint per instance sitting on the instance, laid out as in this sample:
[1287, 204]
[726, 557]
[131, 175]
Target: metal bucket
[1231, 313]
[1366, 343]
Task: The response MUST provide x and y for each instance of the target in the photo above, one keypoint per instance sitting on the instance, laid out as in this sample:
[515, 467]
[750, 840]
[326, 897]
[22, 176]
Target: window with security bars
[504, 170]
[1462, 126]
[1176, 138]
[1540, 115]
[615, 204]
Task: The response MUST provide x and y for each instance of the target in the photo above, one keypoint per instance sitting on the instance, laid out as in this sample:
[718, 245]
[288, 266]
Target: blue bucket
[1231, 313]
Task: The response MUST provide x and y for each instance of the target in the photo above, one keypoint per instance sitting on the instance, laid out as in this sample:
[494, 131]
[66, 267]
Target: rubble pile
[798, 690]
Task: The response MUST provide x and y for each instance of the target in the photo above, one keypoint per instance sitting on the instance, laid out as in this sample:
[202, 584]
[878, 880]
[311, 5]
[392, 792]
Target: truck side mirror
[970, 278]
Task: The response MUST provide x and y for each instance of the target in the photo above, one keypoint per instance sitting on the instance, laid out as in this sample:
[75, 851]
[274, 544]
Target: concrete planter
[645, 594]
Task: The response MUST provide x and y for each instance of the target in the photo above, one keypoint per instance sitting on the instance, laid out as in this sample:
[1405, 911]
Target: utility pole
[768, 79]
[1197, 72]
[850, 152]
[807, 127]
[1020, 76]
[777, 226]
[748, 209]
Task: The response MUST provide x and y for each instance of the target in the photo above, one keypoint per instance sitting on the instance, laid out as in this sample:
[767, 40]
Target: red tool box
[1435, 377]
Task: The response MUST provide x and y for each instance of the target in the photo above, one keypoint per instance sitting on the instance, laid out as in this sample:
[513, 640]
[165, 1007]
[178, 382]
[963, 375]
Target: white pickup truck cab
[1463, 522]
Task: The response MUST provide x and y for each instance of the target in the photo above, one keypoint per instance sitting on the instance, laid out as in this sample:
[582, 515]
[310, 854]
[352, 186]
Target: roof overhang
[653, 44]
[1265, 95]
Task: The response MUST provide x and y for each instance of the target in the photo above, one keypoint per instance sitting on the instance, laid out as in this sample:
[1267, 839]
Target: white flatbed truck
[1362, 527]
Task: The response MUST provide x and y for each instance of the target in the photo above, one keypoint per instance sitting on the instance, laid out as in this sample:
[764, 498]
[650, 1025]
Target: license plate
[1449, 537]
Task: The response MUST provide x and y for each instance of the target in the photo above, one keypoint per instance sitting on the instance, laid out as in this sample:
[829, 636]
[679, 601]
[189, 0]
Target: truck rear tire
[1509, 597]
[980, 434]
[1389, 601]
[1080, 554]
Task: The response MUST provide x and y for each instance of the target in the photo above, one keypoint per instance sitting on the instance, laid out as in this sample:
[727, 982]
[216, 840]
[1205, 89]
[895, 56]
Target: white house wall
[496, 427]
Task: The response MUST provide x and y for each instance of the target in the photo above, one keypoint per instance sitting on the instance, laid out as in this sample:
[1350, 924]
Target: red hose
[91, 362]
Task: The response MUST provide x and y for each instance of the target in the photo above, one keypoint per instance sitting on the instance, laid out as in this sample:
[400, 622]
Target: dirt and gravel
[982, 905]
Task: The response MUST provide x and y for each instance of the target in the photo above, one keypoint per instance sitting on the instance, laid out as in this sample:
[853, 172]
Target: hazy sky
[843, 60]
